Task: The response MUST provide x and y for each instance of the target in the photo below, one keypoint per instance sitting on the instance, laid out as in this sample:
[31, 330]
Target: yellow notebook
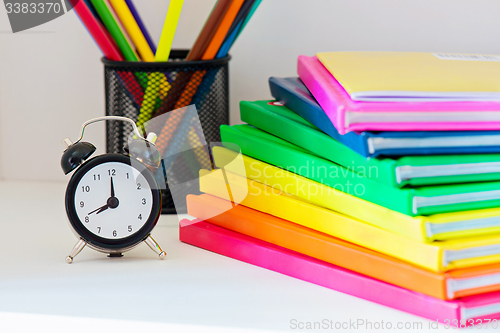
[436, 256]
[419, 76]
[421, 228]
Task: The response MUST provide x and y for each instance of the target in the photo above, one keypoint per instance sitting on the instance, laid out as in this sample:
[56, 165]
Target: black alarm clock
[113, 201]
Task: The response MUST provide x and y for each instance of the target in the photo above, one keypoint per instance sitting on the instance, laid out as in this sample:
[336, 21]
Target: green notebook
[424, 200]
[410, 170]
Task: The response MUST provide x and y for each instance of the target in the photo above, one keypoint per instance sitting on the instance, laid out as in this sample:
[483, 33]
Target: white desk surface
[192, 290]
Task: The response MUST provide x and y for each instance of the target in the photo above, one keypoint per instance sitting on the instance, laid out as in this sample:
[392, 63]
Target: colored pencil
[122, 28]
[141, 24]
[202, 41]
[168, 31]
[209, 30]
[115, 31]
[133, 29]
[249, 16]
[210, 53]
[118, 30]
[107, 47]
[196, 53]
[162, 54]
[187, 91]
[146, 35]
[222, 30]
[228, 42]
[239, 23]
[97, 31]
[94, 12]
[233, 30]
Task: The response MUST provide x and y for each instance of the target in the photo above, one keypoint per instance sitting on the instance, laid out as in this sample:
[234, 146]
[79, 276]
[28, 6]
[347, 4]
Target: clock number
[143, 201]
[112, 172]
[129, 228]
[82, 204]
[98, 230]
[97, 177]
[114, 233]
[127, 176]
[138, 186]
[87, 219]
[139, 217]
[86, 188]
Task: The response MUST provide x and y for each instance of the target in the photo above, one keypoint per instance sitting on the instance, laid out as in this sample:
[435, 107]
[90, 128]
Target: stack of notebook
[340, 182]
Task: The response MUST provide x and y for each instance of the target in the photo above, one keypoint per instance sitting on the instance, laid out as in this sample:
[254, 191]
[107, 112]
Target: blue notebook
[294, 94]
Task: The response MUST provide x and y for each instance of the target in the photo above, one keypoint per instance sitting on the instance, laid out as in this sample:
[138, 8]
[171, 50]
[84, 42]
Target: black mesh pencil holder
[175, 84]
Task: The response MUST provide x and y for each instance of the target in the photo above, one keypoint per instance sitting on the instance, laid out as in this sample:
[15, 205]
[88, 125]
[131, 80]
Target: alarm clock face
[111, 202]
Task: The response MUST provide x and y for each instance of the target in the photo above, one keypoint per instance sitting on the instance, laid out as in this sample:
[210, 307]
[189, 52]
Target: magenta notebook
[471, 310]
[348, 115]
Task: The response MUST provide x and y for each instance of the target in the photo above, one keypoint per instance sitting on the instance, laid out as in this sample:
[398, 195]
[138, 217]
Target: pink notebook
[471, 310]
[348, 115]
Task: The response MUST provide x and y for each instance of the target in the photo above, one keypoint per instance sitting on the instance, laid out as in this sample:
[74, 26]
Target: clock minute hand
[112, 188]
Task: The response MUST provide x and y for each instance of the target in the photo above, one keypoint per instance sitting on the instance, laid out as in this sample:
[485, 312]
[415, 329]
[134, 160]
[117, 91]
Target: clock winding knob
[152, 137]
[67, 143]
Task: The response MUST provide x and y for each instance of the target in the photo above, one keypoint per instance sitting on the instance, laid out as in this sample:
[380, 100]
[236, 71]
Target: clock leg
[77, 249]
[155, 247]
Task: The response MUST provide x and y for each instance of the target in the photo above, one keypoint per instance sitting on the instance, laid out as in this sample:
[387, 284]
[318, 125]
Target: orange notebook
[450, 285]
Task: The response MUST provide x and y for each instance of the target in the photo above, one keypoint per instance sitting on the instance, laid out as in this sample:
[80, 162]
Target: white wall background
[51, 79]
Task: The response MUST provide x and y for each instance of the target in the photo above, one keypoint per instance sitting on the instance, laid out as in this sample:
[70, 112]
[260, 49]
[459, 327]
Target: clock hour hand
[100, 209]
[103, 208]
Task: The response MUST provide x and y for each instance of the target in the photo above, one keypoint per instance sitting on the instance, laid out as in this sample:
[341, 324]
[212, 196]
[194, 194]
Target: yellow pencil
[162, 54]
[155, 80]
[121, 27]
[133, 29]
[168, 31]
